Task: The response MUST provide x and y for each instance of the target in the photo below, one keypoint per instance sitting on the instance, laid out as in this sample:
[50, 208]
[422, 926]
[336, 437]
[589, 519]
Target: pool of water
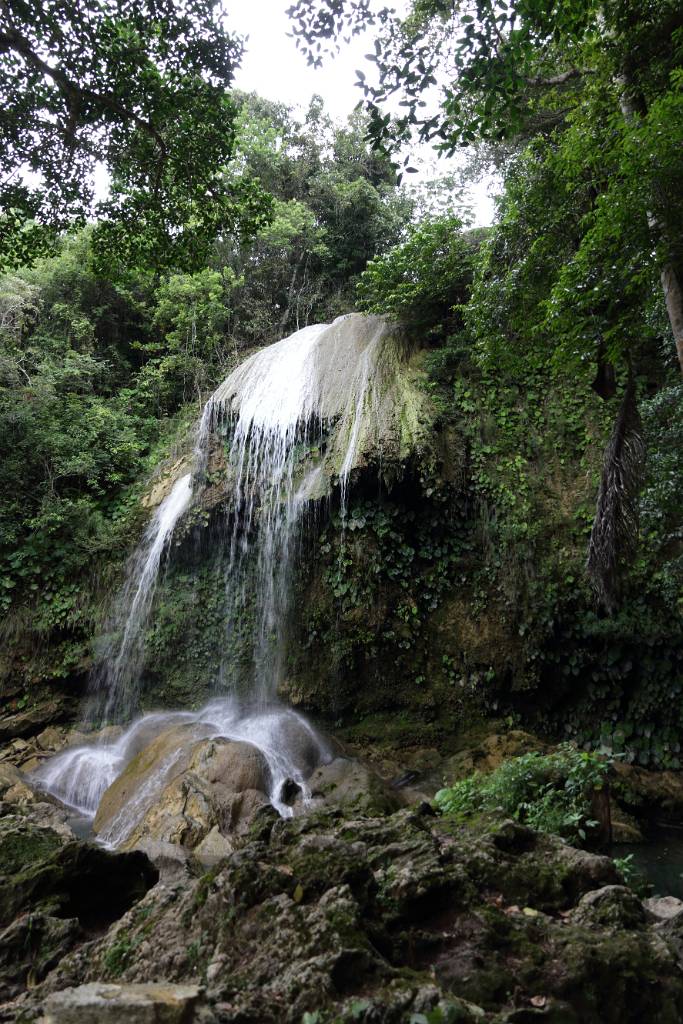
[659, 861]
[81, 826]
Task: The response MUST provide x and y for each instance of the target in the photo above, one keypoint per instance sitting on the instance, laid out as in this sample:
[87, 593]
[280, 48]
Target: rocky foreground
[354, 912]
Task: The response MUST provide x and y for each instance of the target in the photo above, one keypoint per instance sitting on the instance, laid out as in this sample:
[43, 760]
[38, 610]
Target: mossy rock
[68, 879]
[353, 786]
[23, 844]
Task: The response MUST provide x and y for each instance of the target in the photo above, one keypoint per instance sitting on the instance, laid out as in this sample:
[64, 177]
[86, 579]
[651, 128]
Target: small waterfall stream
[293, 420]
[114, 682]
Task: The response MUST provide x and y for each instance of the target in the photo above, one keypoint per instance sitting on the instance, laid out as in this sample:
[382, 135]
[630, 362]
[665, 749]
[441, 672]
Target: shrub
[549, 792]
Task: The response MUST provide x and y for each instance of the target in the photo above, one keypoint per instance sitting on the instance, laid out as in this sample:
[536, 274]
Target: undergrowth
[548, 792]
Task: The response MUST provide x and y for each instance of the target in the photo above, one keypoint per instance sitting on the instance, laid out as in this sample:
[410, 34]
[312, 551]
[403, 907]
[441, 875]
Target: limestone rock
[182, 814]
[545, 872]
[13, 785]
[213, 848]
[51, 739]
[191, 807]
[169, 752]
[234, 765]
[625, 828]
[389, 918]
[53, 887]
[40, 713]
[663, 908]
[73, 879]
[99, 1003]
[583, 870]
[490, 751]
[48, 814]
[647, 794]
[23, 846]
[354, 786]
[179, 787]
[612, 906]
[170, 860]
[30, 947]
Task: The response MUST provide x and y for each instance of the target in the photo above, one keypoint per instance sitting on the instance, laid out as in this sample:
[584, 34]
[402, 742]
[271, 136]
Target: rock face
[53, 890]
[353, 786]
[490, 752]
[663, 908]
[384, 920]
[200, 794]
[653, 796]
[41, 712]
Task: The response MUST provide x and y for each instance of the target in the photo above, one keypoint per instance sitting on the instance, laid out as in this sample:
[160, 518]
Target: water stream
[293, 420]
[113, 688]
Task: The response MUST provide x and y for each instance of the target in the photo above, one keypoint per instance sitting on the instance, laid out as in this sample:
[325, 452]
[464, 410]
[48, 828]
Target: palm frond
[614, 537]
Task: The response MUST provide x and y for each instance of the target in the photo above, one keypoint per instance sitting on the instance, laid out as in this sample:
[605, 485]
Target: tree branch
[12, 40]
[566, 76]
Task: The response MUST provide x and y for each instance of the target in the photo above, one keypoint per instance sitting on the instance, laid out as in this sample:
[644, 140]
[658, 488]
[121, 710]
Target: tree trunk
[290, 293]
[673, 297]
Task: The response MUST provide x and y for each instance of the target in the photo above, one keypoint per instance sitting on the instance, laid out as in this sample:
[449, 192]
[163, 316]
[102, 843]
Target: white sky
[274, 68]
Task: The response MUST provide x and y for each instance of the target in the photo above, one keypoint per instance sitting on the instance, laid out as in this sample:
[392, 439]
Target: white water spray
[79, 777]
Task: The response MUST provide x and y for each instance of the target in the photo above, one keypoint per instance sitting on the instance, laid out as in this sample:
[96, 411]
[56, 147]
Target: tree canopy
[600, 84]
[140, 87]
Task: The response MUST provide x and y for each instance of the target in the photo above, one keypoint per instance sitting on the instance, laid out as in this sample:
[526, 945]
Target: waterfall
[80, 776]
[292, 421]
[114, 682]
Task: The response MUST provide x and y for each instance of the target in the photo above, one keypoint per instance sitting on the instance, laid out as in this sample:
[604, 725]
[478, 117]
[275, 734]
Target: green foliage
[118, 955]
[632, 876]
[336, 206]
[140, 88]
[424, 280]
[189, 320]
[102, 373]
[548, 792]
[492, 71]
[78, 434]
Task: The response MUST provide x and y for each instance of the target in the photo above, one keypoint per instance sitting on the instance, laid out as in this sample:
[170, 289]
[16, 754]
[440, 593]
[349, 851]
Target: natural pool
[659, 861]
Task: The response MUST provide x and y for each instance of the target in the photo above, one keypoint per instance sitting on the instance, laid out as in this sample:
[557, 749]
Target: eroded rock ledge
[379, 919]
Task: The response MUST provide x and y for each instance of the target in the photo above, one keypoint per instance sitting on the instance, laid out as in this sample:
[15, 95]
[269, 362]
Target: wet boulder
[179, 788]
[163, 757]
[351, 785]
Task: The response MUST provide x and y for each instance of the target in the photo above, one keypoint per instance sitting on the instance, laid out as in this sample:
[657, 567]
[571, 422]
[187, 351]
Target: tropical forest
[341, 512]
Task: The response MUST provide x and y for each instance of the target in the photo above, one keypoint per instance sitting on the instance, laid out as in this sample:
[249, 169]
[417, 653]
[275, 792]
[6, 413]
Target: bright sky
[274, 68]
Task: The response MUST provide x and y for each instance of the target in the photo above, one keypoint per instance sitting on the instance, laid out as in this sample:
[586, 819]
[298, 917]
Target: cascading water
[294, 418]
[79, 777]
[114, 683]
